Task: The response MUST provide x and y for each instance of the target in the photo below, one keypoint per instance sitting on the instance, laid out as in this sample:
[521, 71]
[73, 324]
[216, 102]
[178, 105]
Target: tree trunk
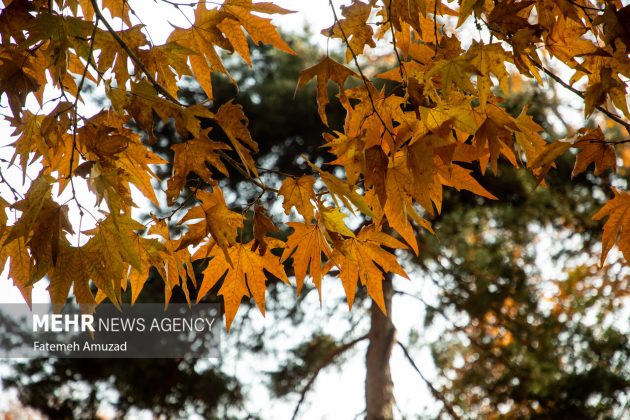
[379, 389]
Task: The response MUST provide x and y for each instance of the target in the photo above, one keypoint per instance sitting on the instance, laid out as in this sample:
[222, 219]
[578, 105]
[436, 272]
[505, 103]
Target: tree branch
[133, 55]
[243, 172]
[75, 121]
[356, 63]
[437, 394]
[331, 357]
[564, 84]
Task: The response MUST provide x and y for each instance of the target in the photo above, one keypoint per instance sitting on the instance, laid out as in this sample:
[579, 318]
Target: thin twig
[391, 27]
[366, 82]
[16, 194]
[567, 86]
[243, 172]
[76, 112]
[564, 84]
[610, 142]
[585, 7]
[132, 55]
[331, 357]
[435, 28]
[437, 394]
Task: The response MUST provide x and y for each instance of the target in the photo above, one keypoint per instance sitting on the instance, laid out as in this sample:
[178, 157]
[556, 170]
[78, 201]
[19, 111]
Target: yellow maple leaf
[194, 155]
[325, 70]
[565, 41]
[363, 259]
[332, 219]
[220, 221]
[173, 263]
[306, 245]
[298, 193]
[245, 276]
[617, 210]
[353, 29]
[595, 150]
[259, 29]
[233, 122]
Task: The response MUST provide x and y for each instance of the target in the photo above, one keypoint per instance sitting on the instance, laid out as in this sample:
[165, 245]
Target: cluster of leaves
[397, 149]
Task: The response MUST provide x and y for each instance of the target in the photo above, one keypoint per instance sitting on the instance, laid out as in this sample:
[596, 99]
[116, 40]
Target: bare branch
[331, 357]
[133, 55]
[564, 84]
[437, 394]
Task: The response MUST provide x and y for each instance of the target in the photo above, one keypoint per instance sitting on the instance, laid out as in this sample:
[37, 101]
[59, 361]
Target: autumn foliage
[437, 122]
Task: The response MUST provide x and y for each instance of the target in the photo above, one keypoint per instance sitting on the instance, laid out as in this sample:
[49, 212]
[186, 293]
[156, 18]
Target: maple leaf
[325, 70]
[200, 39]
[333, 220]
[15, 16]
[30, 207]
[420, 165]
[298, 193]
[545, 160]
[234, 33]
[135, 161]
[244, 272]
[262, 226]
[306, 245]
[152, 254]
[565, 41]
[594, 149]
[456, 70]
[376, 162]
[399, 208]
[194, 155]
[340, 189]
[113, 56]
[467, 7]
[20, 266]
[496, 134]
[363, 259]
[398, 11]
[30, 139]
[173, 263]
[165, 63]
[259, 29]
[111, 250]
[528, 136]
[617, 210]
[349, 152]
[110, 183]
[46, 235]
[510, 16]
[353, 28]
[218, 220]
[233, 122]
[606, 84]
[489, 59]
[461, 179]
[117, 8]
[208, 30]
